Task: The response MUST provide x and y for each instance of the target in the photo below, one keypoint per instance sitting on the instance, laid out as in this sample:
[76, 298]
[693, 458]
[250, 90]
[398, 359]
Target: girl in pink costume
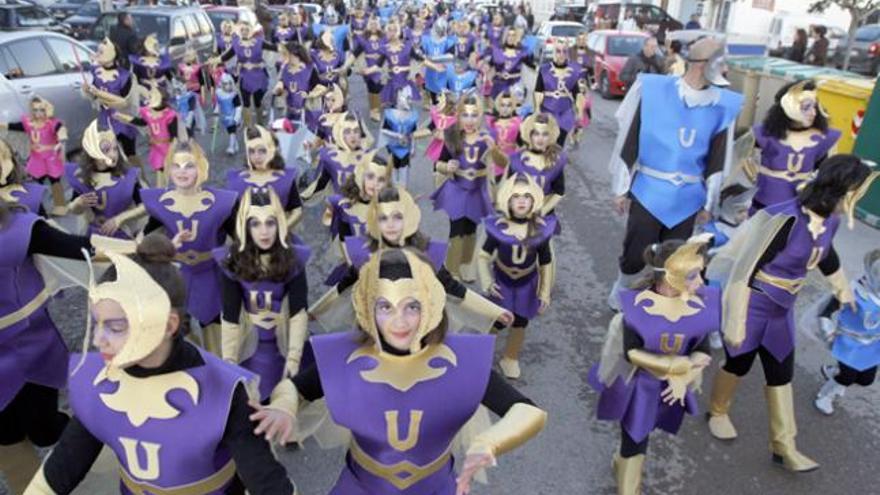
[503, 124]
[442, 117]
[160, 121]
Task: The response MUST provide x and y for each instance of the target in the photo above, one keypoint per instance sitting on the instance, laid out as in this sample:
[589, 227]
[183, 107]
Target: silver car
[45, 64]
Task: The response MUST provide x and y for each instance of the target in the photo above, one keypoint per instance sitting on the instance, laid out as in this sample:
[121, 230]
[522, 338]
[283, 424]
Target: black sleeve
[293, 199]
[703, 346]
[227, 55]
[72, 457]
[138, 121]
[346, 46]
[558, 184]
[777, 245]
[631, 340]
[50, 241]
[452, 286]
[314, 80]
[15, 126]
[545, 255]
[126, 88]
[268, 45]
[202, 80]
[344, 230]
[529, 62]
[717, 153]
[236, 100]
[229, 224]
[539, 83]
[232, 297]
[172, 128]
[500, 395]
[323, 180]
[490, 244]
[298, 293]
[153, 224]
[630, 151]
[830, 263]
[308, 383]
[358, 49]
[350, 277]
[136, 195]
[254, 461]
[445, 155]
[416, 55]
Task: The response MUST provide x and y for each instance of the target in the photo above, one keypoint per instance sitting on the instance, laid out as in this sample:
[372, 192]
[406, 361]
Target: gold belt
[511, 75]
[400, 69]
[373, 55]
[208, 485]
[512, 272]
[784, 175]
[193, 257]
[249, 66]
[557, 94]
[792, 286]
[267, 320]
[403, 474]
[23, 312]
[471, 173]
[43, 147]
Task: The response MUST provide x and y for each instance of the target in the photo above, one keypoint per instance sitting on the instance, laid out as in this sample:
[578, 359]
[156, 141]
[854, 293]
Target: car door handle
[77, 84]
[25, 88]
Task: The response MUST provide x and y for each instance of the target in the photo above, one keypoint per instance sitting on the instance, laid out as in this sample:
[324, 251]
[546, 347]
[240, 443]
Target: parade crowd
[203, 355]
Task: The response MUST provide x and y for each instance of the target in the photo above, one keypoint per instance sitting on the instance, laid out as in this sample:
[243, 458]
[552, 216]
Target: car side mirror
[177, 41]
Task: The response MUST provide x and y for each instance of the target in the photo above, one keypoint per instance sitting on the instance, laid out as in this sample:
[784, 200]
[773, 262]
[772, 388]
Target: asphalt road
[573, 454]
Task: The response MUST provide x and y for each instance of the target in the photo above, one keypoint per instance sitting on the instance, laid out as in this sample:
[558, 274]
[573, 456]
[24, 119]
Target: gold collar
[670, 308]
[404, 372]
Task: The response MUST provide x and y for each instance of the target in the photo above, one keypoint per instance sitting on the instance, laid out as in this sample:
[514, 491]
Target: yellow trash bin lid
[845, 99]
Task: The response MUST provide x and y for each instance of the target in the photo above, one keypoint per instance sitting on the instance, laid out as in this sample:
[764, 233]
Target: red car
[609, 50]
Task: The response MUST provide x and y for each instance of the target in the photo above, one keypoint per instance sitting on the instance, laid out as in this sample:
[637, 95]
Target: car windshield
[145, 24]
[218, 17]
[32, 17]
[567, 31]
[624, 46]
[868, 33]
[89, 10]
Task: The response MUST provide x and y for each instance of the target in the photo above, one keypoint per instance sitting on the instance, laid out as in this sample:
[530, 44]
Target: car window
[192, 26]
[89, 10]
[145, 24]
[624, 46]
[178, 31]
[7, 66]
[868, 33]
[567, 31]
[32, 17]
[204, 24]
[4, 18]
[64, 52]
[103, 26]
[652, 14]
[32, 57]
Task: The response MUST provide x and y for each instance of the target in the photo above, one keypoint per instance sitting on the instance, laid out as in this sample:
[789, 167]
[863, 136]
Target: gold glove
[324, 303]
[284, 398]
[840, 285]
[230, 341]
[521, 423]
[663, 367]
[103, 244]
[294, 216]
[545, 282]
[550, 203]
[297, 333]
[130, 214]
[484, 271]
[39, 485]
[477, 304]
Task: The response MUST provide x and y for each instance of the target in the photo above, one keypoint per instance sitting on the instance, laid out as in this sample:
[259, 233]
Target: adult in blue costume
[438, 48]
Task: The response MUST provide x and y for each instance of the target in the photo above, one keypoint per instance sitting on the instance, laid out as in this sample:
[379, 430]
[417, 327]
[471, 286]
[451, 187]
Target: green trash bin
[868, 147]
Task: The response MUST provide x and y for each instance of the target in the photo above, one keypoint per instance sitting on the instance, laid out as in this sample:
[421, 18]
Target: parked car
[21, 16]
[865, 56]
[609, 14]
[218, 14]
[569, 12]
[82, 21]
[44, 63]
[65, 8]
[557, 34]
[175, 28]
[609, 50]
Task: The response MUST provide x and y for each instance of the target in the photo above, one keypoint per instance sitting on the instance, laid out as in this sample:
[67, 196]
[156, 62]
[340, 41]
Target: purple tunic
[296, 84]
[330, 164]
[29, 195]
[149, 75]
[263, 301]
[165, 453]
[197, 266]
[398, 64]
[351, 215]
[466, 194]
[252, 70]
[376, 412]
[559, 89]
[324, 67]
[770, 316]
[282, 182]
[782, 158]
[31, 349]
[464, 47]
[637, 403]
[115, 86]
[508, 68]
[113, 199]
[519, 294]
[373, 50]
[358, 250]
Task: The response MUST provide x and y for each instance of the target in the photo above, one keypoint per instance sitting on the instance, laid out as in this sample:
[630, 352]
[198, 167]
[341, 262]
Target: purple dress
[295, 84]
[783, 168]
[636, 403]
[167, 453]
[197, 266]
[115, 86]
[324, 66]
[515, 268]
[31, 349]
[330, 162]
[263, 301]
[149, 74]
[374, 51]
[251, 69]
[113, 198]
[508, 67]
[398, 64]
[382, 415]
[770, 314]
[464, 47]
[559, 86]
[29, 195]
[466, 193]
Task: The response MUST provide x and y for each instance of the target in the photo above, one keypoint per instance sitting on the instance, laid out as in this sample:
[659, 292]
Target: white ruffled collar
[697, 97]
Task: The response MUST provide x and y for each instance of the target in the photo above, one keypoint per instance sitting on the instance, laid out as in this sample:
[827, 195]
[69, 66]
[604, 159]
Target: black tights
[518, 321]
[49, 179]
[775, 373]
[257, 96]
[561, 139]
[629, 447]
[462, 227]
[850, 376]
[32, 414]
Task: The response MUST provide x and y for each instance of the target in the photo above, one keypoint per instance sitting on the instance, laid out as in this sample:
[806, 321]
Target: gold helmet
[334, 99]
[853, 196]
[518, 184]
[184, 151]
[499, 100]
[154, 97]
[419, 282]
[151, 45]
[264, 139]
[371, 164]
[7, 162]
[106, 52]
[38, 102]
[190, 55]
[227, 27]
[145, 303]
[92, 140]
[283, 19]
[261, 204]
[348, 121]
[793, 99]
[539, 121]
[688, 258]
[405, 205]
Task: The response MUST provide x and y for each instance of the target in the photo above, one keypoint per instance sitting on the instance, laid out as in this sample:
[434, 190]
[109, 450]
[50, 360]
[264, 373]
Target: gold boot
[783, 430]
[719, 405]
[211, 336]
[628, 473]
[247, 117]
[375, 107]
[468, 249]
[453, 256]
[59, 205]
[509, 362]
[18, 462]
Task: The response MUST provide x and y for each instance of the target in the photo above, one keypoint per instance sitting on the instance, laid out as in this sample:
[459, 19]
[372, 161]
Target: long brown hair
[655, 256]
[419, 241]
[454, 135]
[553, 149]
[246, 264]
[88, 167]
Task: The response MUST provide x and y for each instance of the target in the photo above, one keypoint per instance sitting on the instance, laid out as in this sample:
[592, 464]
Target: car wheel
[605, 86]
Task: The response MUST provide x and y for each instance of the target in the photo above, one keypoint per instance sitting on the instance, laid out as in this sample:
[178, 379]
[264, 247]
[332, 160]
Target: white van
[785, 24]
